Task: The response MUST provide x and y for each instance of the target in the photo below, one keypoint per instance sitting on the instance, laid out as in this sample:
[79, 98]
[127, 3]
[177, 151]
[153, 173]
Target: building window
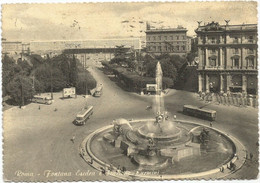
[213, 40]
[165, 37]
[148, 38]
[235, 51]
[166, 48]
[251, 39]
[236, 62]
[250, 51]
[213, 51]
[160, 37]
[154, 48]
[177, 37]
[183, 37]
[148, 48]
[154, 38]
[213, 62]
[171, 37]
[178, 48]
[251, 62]
[235, 39]
[178, 42]
[183, 48]
[159, 48]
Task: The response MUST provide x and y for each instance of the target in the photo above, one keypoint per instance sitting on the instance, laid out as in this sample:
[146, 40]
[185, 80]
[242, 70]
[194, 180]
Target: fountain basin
[159, 136]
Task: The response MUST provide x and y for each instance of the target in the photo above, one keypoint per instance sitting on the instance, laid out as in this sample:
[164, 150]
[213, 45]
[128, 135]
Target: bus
[83, 115]
[199, 112]
[42, 100]
[98, 91]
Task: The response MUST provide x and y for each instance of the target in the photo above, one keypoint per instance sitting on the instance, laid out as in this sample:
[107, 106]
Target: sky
[79, 21]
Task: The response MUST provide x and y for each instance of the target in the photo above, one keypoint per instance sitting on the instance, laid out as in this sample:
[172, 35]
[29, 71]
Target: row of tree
[146, 64]
[23, 79]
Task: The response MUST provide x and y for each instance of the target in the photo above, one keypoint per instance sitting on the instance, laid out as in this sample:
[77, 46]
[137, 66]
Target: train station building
[227, 58]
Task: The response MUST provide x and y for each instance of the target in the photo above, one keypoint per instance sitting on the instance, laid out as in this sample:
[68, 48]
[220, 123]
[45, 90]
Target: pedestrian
[73, 139]
[222, 169]
[174, 117]
[210, 124]
[123, 169]
[103, 171]
[39, 107]
[235, 155]
[246, 154]
[251, 156]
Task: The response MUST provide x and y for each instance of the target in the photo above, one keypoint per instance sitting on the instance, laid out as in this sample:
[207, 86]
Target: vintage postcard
[130, 91]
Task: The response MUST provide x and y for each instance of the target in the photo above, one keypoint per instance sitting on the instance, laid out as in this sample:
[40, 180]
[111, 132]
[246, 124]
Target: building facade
[171, 41]
[189, 44]
[12, 47]
[227, 58]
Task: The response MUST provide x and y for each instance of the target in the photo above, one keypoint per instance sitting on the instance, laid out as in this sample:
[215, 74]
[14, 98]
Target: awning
[235, 57]
[250, 57]
[213, 57]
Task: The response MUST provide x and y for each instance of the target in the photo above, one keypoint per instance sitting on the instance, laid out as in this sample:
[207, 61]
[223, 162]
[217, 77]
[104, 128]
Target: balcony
[209, 67]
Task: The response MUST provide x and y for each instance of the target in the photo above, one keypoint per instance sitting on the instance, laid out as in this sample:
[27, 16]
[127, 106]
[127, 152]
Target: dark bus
[200, 113]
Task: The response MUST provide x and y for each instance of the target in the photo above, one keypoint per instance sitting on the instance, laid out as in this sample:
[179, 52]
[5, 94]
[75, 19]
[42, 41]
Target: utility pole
[22, 97]
[33, 83]
[51, 78]
[110, 53]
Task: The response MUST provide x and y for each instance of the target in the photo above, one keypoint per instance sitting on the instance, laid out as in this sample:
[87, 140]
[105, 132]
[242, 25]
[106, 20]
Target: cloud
[99, 20]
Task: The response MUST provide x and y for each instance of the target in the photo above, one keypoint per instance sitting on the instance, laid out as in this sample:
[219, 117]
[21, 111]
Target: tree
[8, 72]
[68, 66]
[25, 67]
[73, 72]
[124, 56]
[21, 89]
[36, 60]
[43, 75]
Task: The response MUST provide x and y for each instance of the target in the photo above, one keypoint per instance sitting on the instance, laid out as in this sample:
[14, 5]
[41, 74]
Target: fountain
[158, 144]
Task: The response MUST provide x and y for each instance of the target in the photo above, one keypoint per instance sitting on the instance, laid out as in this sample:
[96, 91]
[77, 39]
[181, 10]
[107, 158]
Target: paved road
[39, 140]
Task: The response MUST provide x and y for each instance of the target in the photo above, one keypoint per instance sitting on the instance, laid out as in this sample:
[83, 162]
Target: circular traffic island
[143, 149]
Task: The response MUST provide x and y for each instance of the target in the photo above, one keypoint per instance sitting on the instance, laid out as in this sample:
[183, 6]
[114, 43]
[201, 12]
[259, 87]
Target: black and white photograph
[129, 91]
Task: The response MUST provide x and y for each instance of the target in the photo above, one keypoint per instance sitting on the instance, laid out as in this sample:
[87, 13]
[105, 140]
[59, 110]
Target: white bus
[98, 91]
[42, 100]
[83, 115]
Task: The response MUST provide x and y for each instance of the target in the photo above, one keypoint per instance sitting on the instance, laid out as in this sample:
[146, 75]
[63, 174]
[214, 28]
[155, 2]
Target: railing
[214, 67]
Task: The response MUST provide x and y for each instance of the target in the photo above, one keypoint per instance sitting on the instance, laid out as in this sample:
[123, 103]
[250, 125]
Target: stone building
[171, 41]
[227, 58]
[12, 47]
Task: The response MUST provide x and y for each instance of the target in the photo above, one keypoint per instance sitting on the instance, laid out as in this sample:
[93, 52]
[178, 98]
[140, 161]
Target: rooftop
[166, 30]
[216, 27]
